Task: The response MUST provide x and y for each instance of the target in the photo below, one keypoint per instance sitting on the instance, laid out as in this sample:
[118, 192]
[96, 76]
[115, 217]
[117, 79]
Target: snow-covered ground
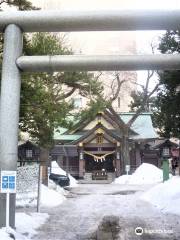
[52, 198]
[144, 174]
[165, 196]
[81, 214]
[88, 205]
[27, 187]
[26, 226]
[141, 201]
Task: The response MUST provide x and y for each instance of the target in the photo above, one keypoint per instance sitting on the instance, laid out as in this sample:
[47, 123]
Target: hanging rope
[99, 158]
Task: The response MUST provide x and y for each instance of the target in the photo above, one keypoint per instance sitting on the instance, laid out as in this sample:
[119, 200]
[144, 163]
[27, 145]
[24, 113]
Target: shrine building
[93, 150]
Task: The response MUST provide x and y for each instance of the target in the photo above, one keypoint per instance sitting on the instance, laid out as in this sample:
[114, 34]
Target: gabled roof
[142, 128]
[165, 142]
[79, 126]
[142, 125]
[90, 132]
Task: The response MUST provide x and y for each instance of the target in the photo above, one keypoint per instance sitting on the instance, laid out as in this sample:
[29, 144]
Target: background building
[100, 43]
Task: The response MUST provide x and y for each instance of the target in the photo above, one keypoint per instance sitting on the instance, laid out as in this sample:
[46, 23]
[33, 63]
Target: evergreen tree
[19, 4]
[137, 101]
[167, 118]
[44, 96]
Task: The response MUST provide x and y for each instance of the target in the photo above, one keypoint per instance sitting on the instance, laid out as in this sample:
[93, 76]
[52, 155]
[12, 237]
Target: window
[77, 102]
[29, 153]
[99, 139]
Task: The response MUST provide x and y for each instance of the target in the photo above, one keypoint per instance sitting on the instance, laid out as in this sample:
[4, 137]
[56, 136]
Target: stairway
[88, 179]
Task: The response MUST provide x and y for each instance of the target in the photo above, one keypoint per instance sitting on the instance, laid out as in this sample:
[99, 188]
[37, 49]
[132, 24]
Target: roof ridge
[132, 113]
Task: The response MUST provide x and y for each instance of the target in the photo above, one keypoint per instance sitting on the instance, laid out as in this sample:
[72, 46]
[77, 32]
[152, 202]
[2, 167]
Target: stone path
[107, 212]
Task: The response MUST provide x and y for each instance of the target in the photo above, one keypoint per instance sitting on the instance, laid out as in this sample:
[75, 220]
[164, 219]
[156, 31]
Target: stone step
[88, 179]
[94, 181]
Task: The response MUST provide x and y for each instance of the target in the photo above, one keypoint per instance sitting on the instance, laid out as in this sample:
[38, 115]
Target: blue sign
[8, 181]
[4, 185]
[5, 179]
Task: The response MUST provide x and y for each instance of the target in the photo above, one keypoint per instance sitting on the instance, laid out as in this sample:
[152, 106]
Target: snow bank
[165, 196]
[144, 174]
[4, 235]
[27, 189]
[51, 198]
[25, 224]
[26, 199]
[28, 223]
[57, 170]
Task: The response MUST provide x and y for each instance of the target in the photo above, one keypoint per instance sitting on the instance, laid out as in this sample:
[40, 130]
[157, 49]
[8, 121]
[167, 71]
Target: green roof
[59, 131]
[58, 135]
[68, 137]
[142, 125]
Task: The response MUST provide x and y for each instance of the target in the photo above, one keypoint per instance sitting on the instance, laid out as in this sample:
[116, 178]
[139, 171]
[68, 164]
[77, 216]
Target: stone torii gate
[15, 23]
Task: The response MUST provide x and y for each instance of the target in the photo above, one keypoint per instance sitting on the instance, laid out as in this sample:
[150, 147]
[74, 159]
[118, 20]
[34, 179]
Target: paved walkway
[107, 212]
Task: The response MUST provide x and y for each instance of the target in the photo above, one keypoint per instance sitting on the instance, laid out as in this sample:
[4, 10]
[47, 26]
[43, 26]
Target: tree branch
[66, 95]
[138, 84]
[119, 85]
[153, 91]
[116, 117]
[144, 102]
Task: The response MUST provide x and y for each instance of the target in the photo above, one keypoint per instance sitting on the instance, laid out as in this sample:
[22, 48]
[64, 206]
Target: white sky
[84, 41]
[110, 4]
[144, 39]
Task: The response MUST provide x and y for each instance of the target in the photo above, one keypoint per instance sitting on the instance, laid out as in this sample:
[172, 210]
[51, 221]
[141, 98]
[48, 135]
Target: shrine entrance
[99, 162]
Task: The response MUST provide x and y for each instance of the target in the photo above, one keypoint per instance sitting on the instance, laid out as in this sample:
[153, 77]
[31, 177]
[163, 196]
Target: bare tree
[126, 127]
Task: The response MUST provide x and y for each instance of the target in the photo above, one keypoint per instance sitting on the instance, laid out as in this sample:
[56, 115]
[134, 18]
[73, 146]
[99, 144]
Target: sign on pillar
[8, 185]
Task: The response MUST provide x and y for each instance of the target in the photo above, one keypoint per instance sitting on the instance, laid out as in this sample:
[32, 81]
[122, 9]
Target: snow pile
[165, 196]
[124, 179]
[27, 189]
[51, 198]
[26, 225]
[57, 170]
[4, 235]
[144, 174]
[26, 199]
